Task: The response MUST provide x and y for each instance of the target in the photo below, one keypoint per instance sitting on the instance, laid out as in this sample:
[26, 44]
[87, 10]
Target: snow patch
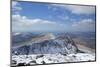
[52, 58]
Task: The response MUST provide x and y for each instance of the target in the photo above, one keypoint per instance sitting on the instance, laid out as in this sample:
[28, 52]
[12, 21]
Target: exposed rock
[49, 44]
[39, 56]
[43, 62]
[21, 64]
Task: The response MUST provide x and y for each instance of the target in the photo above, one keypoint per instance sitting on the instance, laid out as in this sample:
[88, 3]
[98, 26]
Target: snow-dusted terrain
[47, 49]
[52, 58]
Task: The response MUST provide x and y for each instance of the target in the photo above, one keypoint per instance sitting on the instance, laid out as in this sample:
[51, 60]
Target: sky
[50, 17]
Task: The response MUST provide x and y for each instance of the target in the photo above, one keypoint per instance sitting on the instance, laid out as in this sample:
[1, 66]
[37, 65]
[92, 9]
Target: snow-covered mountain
[46, 44]
[30, 49]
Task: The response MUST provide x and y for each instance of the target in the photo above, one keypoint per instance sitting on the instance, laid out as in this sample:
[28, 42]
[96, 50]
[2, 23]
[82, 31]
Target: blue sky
[30, 16]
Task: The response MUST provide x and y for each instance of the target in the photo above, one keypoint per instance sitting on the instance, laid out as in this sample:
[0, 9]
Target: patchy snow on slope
[52, 58]
[17, 33]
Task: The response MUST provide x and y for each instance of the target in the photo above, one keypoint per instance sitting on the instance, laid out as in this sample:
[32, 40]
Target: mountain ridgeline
[25, 44]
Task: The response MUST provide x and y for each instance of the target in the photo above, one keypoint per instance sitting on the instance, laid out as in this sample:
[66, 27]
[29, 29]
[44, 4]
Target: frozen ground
[51, 58]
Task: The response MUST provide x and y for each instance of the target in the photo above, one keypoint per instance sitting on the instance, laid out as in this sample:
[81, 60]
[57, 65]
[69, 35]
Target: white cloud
[77, 9]
[23, 23]
[26, 21]
[84, 25]
[81, 9]
[15, 6]
[62, 17]
[14, 3]
[53, 8]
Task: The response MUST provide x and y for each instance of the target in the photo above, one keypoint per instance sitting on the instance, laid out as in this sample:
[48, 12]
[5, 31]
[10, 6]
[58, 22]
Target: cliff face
[46, 44]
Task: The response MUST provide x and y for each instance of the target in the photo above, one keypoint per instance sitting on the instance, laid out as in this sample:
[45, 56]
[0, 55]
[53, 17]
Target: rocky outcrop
[47, 44]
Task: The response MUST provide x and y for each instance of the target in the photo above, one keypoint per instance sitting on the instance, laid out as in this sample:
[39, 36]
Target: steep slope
[48, 48]
[46, 44]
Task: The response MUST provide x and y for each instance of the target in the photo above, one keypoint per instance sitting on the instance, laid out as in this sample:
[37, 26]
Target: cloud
[84, 25]
[14, 3]
[23, 23]
[59, 15]
[15, 7]
[51, 7]
[82, 9]
[77, 9]
[62, 17]
[28, 22]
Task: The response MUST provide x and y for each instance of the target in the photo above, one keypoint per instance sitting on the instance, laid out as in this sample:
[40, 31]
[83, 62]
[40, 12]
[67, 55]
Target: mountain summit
[46, 44]
[50, 36]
